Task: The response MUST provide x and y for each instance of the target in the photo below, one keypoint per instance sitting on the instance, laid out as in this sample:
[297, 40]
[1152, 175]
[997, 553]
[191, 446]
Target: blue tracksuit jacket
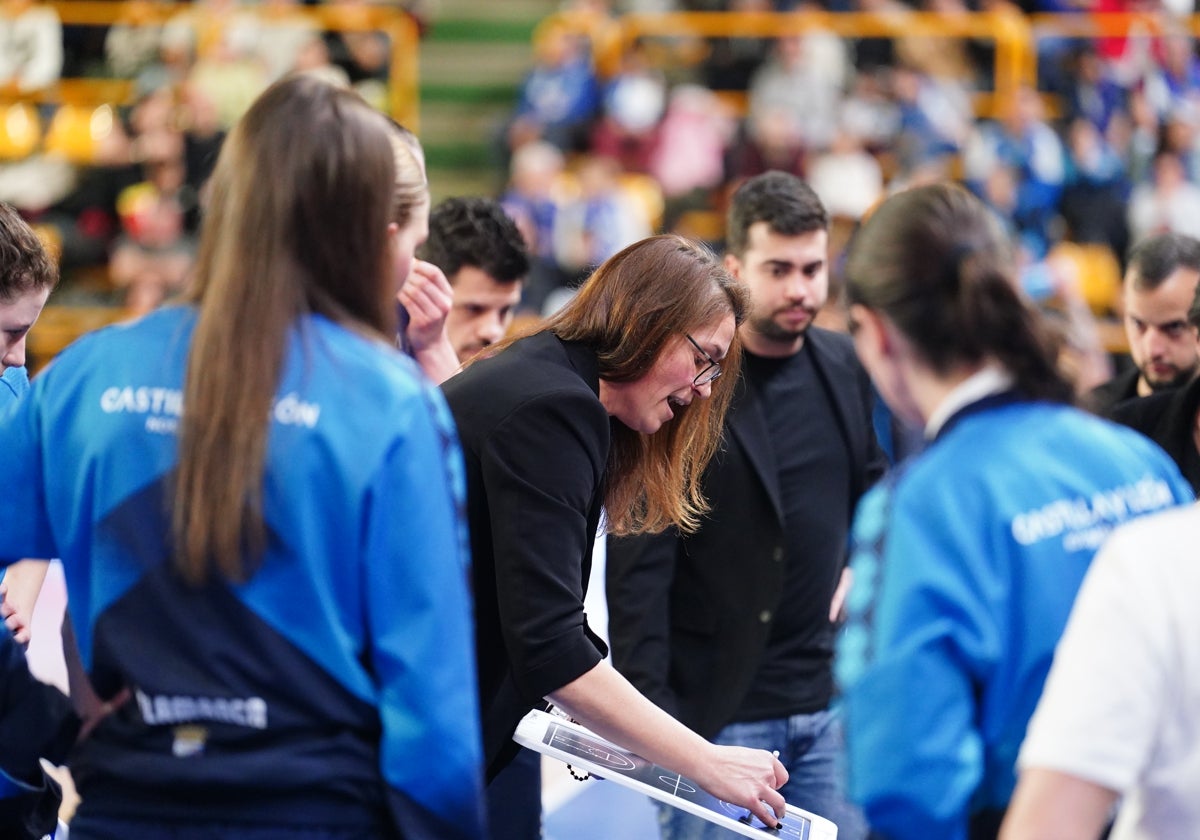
[966, 564]
[336, 686]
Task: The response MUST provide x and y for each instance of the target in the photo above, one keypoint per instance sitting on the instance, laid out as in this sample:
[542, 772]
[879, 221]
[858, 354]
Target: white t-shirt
[1121, 707]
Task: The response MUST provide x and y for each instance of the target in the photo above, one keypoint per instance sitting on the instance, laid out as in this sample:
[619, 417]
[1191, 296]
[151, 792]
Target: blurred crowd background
[597, 123]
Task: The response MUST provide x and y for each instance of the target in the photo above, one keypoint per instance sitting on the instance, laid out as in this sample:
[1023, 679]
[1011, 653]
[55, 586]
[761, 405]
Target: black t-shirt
[813, 463]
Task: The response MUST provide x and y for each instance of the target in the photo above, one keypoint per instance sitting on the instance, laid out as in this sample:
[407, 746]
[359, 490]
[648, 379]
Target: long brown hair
[631, 308]
[297, 223]
[936, 262]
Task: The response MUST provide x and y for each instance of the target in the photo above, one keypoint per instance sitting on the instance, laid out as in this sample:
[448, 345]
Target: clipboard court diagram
[560, 738]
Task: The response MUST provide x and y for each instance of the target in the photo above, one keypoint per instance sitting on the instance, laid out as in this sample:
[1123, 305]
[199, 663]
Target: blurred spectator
[730, 62]
[769, 139]
[1136, 136]
[872, 54]
[168, 142]
[174, 145]
[847, 178]
[313, 57]
[1056, 286]
[560, 96]
[1128, 55]
[970, 60]
[1168, 203]
[285, 37]
[1093, 201]
[633, 103]
[132, 44]
[531, 202]
[207, 29]
[363, 53]
[1026, 144]
[152, 257]
[935, 116]
[805, 76]
[1093, 94]
[210, 46]
[869, 112]
[1173, 83]
[1177, 133]
[601, 220]
[693, 137]
[31, 46]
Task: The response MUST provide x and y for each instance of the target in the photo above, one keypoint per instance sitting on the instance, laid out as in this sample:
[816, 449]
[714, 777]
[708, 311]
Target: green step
[476, 10]
[462, 93]
[457, 181]
[464, 155]
[461, 125]
[503, 30]
[464, 63]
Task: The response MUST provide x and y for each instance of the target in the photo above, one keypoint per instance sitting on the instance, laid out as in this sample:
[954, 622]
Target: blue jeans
[812, 749]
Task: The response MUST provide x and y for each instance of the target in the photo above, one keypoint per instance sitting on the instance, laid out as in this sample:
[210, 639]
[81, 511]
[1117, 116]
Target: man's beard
[769, 328]
[1177, 381]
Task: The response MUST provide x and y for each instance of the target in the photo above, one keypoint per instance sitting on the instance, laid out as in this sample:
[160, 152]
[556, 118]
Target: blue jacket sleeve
[421, 632]
[920, 631]
[26, 531]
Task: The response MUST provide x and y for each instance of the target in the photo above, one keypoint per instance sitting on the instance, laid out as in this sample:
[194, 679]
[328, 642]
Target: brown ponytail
[936, 262]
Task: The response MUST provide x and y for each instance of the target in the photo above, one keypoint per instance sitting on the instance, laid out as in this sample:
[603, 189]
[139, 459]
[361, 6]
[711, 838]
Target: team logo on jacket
[189, 741]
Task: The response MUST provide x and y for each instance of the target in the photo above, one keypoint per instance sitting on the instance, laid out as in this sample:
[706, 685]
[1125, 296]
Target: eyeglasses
[710, 371]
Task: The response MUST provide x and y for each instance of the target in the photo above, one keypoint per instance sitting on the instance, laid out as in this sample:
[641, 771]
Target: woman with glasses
[967, 558]
[615, 402]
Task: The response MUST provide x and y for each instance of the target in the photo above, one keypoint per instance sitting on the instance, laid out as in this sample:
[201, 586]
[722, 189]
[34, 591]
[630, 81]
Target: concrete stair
[472, 61]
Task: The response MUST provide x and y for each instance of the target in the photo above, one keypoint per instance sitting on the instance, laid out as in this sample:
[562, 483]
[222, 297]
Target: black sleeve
[543, 469]
[36, 721]
[32, 815]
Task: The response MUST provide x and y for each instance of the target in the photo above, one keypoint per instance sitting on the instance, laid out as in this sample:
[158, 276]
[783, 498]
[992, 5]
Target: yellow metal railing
[403, 98]
[1009, 30]
[1102, 25]
[1016, 36]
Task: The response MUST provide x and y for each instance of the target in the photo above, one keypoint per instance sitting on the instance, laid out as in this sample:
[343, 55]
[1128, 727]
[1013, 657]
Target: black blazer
[535, 441]
[1167, 418]
[1105, 397]
[689, 618]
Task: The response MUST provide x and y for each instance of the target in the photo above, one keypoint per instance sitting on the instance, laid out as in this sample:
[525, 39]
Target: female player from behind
[256, 500]
[966, 559]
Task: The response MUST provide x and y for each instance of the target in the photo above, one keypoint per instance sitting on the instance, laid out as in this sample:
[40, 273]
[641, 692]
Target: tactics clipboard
[569, 742]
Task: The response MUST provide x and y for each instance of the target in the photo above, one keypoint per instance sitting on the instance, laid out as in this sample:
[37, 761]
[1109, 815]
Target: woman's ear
[393, 241]
[733, 265]
[879, 335]
[871, 339]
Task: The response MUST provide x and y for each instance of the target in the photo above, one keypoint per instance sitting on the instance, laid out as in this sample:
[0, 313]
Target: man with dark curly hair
[482, 254]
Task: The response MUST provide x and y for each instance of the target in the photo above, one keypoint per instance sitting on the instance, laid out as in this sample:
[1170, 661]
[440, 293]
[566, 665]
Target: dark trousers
[514, 799]
[110, 828]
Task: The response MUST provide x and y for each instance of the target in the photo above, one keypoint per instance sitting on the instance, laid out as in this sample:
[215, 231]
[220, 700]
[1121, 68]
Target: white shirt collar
[991, 379]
